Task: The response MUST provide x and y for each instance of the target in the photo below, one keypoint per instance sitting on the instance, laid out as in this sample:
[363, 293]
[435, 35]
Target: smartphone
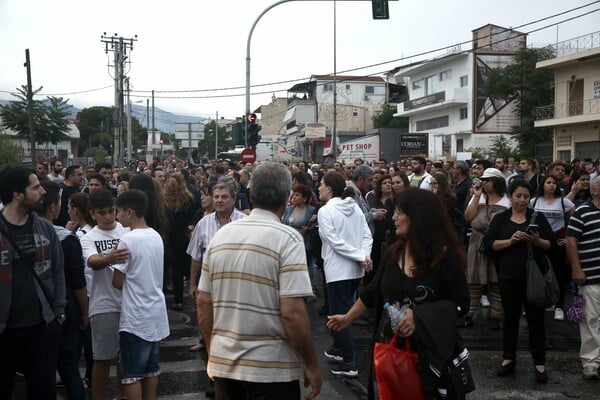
[532, 228]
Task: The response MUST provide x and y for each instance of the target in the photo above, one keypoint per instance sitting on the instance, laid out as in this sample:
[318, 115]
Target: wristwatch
[60, 318]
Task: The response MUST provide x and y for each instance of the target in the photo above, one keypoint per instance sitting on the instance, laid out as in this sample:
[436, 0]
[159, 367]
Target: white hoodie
[346, 239]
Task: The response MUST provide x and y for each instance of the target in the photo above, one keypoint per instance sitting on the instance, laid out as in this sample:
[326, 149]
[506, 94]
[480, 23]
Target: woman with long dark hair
[425, 264]
[557, 209]
[508, 238]
[156, 215]
[381, 198]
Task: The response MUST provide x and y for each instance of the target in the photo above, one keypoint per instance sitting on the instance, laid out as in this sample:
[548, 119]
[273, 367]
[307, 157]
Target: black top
[447, 280]
[67, 192]
[25, 307]
[74, 278]
[461, 191]
[510, 262]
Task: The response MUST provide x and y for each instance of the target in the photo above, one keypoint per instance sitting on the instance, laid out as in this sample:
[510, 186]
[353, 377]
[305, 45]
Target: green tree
[10, 153]
[501, 147]
[529, 88]
[50, 117]
[386, 119]
[95, 129]
[207, 146]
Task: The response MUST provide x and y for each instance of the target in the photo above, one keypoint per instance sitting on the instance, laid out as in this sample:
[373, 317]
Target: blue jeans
[69, 351]
[341, 296]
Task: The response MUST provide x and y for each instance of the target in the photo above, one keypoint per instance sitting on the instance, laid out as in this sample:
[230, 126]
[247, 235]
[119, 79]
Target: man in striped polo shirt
[251, 300]
[583, 250]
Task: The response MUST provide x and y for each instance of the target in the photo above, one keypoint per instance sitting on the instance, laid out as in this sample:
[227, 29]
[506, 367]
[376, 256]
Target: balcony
[436, 101]
[577, 44]
[568, 113]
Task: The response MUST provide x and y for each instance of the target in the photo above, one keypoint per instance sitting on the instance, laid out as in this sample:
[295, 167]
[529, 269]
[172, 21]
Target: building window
[347, 87]
[355, 113]
[464, 113]
[433, 123]
[369, 89]
[328, 87]
[418, 84]
[460, 145]
[445, 75]
[430, 85]
[464, 80]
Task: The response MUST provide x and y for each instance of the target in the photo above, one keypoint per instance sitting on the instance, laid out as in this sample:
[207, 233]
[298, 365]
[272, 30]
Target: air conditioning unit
[366, 98]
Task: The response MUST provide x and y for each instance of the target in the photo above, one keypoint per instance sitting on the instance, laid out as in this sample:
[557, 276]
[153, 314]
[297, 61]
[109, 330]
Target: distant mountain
[163, 120]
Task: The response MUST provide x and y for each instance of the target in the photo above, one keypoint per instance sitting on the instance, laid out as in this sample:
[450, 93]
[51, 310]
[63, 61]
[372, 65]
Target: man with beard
[32, 287]
[54, 175]
[71, 185]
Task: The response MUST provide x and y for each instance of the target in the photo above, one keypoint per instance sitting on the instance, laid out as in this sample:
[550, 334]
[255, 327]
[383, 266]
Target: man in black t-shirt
[32, 287]
[71, 185]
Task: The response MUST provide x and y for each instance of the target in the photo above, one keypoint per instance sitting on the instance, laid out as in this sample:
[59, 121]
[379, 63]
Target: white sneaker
[559, 314]
[484, 301]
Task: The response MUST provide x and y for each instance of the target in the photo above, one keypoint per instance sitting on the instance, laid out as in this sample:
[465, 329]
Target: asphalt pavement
[183, 372]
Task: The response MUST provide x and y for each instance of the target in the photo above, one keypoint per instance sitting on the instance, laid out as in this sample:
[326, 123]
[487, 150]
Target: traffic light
[380, 9]
[253, 129]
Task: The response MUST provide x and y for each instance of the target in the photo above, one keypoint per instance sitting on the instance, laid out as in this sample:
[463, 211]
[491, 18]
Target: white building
[575, 114]
[305, 118]
[446, 99]
[64, 149]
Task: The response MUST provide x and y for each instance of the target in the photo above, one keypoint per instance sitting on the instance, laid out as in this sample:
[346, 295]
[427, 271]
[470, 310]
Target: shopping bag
[396, 371]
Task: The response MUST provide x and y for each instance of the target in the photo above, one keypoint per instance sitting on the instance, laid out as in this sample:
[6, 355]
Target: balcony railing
[574, 45]
[572, 109]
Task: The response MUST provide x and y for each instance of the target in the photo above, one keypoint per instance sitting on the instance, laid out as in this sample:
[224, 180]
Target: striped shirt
[205, 230]
[249, 265]
[584, 226]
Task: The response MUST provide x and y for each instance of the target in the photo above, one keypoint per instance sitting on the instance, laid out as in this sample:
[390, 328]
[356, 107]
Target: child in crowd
[144, 322]
[100, 251]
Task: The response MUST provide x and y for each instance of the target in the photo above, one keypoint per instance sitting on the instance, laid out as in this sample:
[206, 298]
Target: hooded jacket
[48, 267]
[346, 238]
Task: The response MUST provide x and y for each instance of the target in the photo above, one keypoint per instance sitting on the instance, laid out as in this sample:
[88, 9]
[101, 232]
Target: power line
[384, 62]
[368, 66]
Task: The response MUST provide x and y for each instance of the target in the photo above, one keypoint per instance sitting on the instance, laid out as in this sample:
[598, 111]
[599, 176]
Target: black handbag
[542, 286]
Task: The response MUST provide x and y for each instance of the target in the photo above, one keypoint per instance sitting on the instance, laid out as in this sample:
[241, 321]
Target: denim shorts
[138, 358]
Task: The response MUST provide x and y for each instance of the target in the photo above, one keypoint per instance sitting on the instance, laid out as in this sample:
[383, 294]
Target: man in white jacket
[346, 249]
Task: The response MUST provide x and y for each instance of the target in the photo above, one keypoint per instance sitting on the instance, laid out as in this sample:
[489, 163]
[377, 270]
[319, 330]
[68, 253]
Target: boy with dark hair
[76, 311]
[144, 322]
[100, 252]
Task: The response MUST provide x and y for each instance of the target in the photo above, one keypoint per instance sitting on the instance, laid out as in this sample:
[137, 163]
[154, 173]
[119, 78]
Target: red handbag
[396, 371]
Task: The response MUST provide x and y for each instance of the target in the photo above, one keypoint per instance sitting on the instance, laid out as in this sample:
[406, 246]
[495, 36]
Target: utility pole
[217, 137]
[119, 46]
[129, 128]
[32, 141]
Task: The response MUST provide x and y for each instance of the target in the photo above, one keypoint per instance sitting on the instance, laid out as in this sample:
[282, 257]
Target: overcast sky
[201, 44]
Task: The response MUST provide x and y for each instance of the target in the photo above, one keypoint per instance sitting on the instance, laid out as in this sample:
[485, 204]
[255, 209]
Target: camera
[476, 182]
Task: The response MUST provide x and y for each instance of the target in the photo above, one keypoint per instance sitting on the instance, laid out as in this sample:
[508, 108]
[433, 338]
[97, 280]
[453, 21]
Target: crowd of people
[87, 255]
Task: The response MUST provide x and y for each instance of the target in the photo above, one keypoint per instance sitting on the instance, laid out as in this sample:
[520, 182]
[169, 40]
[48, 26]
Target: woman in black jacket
[425, 264]
[507, 239]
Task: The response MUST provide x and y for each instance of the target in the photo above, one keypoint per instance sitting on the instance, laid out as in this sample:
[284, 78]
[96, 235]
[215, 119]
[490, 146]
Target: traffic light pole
[248, 59]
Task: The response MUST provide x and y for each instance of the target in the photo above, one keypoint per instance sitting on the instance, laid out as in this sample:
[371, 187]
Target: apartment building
[575, 114]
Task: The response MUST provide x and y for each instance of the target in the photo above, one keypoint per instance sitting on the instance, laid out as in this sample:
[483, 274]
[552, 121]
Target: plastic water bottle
[395, 312]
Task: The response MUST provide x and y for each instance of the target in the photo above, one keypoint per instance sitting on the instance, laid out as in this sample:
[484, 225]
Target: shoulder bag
[542, 287]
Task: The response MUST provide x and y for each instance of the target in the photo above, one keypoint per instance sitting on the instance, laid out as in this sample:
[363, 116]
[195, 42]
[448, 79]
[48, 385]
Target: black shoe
[541, 377]
[346, 369]
[334, 354]
[507, 369]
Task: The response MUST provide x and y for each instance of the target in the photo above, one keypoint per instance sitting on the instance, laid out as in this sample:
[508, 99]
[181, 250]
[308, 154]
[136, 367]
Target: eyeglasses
[433, 183]
[485, 179]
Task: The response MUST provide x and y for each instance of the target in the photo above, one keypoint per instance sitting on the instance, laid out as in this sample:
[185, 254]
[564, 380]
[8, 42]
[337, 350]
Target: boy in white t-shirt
[100, 251]
[144, 322]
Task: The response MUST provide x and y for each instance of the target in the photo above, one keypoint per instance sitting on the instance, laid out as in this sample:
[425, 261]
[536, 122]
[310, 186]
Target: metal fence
[571, 109]
[574, 45]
